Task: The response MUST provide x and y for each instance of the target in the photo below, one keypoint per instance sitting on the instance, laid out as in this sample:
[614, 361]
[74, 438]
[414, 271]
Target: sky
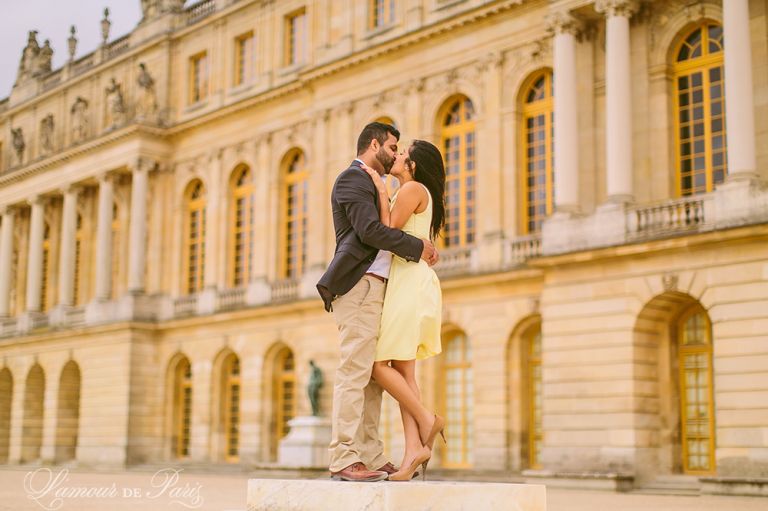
[52, 19]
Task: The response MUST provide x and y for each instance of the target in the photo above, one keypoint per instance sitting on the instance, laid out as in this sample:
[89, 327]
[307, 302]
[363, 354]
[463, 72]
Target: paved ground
[221, 492]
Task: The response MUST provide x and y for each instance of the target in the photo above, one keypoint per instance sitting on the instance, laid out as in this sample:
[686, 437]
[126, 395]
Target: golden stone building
[165, 217]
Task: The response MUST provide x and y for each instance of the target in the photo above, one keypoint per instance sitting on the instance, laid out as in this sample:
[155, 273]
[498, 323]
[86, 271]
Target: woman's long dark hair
[430, 171]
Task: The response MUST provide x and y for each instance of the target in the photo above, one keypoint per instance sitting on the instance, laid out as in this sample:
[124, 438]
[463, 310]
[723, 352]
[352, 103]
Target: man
[353, 289]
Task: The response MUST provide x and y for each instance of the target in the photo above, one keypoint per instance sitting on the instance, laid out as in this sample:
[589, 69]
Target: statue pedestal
[306, 445]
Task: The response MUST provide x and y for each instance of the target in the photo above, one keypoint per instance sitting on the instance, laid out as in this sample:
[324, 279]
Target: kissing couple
[386, 301]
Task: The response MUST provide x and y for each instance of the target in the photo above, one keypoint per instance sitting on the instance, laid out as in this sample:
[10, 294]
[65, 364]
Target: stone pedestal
[306, 445]
[308, 283]
[311, 495]
[259, 292]
[100, 311]
[740, 201]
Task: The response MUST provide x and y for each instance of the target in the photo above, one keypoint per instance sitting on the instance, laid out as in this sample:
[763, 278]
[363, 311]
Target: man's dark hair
[377, 130]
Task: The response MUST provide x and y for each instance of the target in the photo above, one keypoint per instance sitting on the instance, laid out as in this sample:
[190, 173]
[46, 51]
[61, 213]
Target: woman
[411, 317]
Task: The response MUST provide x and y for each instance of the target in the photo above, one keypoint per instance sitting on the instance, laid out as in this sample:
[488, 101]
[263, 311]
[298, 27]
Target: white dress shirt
[383, 261]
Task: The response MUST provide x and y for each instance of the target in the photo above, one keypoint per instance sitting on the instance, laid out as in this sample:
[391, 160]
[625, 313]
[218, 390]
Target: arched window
[284, 399]
[32, 421]
[457, 401]
[537, 130]
[116, 229]
[6, 395]
[700, 111]
[68, 412]
[295, 192]
[77, 297]
[231, 407]
[194, 237]
[46, 267]
[534, 398]
[182, 408]
[241, 226]
[457, 135]
[694, 351]
[16, 289]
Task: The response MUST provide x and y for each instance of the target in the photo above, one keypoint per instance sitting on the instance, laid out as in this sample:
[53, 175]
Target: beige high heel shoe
[437, 427]
[406, 473]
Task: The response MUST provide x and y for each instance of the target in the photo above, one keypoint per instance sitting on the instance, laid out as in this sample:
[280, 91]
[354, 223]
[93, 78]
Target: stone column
[212, 228]
[137, 258]
[413, 111]
[488, 203]
[35, 255]
[565, 28]
[208, 298]
[618, 99]
[68, 247]
[739, 94]
[317, 208]
[6, 259]
[259, 291]
[104, 239]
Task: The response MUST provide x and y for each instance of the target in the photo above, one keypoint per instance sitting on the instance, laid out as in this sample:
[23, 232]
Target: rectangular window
[295, 37]
[382, 13]
[198, 77]
[244, 58]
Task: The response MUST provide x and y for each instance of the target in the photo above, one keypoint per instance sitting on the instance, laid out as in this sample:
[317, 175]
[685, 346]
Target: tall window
[284, 398]
[115, 250]
[295, 215]
[198, 77]
[46, 267]
[15, 294]
[382, 13]
[242, 226]
[700, 111]
[295, 37]
[182, 406]
[458, 142]
[696, 396]
[79, 235]
[457, 385]
[231, 404]
[195, 238]
[244, 58]
[538, 132]
[535, 430]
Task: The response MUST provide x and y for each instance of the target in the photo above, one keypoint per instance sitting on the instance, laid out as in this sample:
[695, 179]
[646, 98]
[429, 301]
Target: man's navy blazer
[359, 234]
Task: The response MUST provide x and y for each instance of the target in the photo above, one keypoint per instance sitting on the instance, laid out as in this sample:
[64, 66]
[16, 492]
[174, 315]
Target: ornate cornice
[39, 166]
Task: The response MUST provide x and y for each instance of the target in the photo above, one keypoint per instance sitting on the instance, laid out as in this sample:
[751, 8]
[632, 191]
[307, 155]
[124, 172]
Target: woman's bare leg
[407, 368]
[393, 382]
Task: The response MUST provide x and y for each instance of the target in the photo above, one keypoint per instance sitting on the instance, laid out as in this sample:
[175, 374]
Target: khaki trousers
[356, 397]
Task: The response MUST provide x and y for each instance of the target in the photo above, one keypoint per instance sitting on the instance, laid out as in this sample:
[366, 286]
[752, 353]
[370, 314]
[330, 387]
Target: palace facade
[164, 217]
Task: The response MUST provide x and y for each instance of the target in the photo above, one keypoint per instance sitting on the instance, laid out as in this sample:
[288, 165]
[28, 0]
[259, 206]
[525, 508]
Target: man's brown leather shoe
[390, 469]
[358, 472]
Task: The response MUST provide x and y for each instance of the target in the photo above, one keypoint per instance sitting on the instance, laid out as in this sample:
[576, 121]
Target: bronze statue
[313, 389]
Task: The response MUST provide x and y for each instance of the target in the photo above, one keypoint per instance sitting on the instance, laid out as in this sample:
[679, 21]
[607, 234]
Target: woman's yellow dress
[412, 315]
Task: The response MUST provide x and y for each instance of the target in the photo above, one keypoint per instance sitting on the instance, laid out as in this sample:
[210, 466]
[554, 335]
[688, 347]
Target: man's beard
[385, 159]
